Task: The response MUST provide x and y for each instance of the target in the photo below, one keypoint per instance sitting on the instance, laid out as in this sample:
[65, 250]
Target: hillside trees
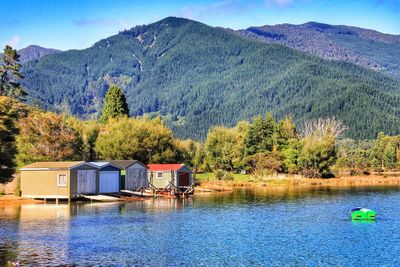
[114, 104]
[198, 77]
[10, 73]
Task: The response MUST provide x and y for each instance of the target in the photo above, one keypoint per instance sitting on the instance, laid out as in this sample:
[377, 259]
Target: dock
[137, 193]
[102, 198]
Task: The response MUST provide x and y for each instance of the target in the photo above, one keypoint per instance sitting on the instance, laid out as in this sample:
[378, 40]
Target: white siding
[86, 182]
[136, 177]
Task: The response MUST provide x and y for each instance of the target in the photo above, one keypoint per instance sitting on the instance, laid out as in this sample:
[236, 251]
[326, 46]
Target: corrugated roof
[99, 163]
[164, 167]
[52, 165]
[124, 163]
[102, 164]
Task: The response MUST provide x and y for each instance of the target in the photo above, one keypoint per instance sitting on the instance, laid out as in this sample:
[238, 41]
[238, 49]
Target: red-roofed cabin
[161, 174]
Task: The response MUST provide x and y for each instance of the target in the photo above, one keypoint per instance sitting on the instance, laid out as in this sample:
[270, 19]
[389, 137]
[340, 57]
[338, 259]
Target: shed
[109, 177]
[58, 180]
[134, 174]
[161, 174]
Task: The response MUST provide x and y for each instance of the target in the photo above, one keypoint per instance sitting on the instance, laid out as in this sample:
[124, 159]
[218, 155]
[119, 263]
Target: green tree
[385, 151]
[224, 147]
[148, 141]
[114, 104]
[88, 131]
[286, 131]
[317, 156]
[261, 135]
[290, 154]
[318, 152]
[8, 131]
[264, 163]
[193, 154]
[355, 156]
[10, 73]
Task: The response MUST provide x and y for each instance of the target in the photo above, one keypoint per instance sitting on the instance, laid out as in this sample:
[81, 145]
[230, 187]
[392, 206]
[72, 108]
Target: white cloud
[101, 22]
[227, 7]
[14, 41]
[280, 3]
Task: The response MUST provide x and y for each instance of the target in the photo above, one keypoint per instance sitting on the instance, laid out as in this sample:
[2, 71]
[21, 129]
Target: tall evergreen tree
[114, 104]
[10, 73]
[8, 131]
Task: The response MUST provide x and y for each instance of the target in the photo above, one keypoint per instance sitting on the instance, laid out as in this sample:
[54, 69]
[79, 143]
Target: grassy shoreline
[345, 181]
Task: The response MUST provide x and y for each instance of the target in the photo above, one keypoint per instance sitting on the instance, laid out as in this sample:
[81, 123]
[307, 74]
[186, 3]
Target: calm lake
[243, 228]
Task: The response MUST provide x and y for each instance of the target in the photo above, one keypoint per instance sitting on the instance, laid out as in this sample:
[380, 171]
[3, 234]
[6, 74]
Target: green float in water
[363, 214]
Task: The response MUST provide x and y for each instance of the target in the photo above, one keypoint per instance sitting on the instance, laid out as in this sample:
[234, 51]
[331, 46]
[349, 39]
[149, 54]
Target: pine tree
[8, 131]
[10, 73]
[114, 104]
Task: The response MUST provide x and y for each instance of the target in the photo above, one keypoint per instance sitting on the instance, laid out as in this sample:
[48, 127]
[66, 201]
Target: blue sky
[77, 24]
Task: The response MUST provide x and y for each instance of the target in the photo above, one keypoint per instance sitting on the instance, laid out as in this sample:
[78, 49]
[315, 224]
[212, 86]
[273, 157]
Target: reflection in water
[263, 226]
[39, 228]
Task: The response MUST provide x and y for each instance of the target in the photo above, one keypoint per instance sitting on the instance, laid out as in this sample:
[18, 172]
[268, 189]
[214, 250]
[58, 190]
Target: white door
[86, 182]
[109, 181]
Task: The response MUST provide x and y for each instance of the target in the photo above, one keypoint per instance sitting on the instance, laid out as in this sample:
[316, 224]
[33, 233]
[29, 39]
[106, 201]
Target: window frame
[162, 175]
[58, 180]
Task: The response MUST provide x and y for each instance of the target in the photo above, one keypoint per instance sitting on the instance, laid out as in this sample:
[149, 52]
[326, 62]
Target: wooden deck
[102, 198]
[137, 194]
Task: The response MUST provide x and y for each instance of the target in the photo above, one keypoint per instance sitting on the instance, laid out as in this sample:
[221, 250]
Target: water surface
[291, 227]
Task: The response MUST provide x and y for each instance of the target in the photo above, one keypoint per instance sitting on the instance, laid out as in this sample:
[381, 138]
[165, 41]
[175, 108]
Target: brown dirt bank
[14, 200]
[345, 181]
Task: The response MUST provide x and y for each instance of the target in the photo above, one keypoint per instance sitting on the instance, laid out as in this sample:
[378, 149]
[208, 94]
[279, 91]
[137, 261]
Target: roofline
[183, 165]
[136, 161]
[82, 163]
[108, 164]
[35, 169]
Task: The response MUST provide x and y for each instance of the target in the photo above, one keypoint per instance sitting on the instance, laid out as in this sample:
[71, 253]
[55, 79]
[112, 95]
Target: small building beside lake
[109, 177]
[76, 179]
[134, 174]
[161, 175]
[58, 180]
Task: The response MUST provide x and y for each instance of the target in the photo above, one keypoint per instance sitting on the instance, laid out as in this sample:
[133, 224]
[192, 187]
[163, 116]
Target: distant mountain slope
[34, 52]
[196, 76]
[364, 47]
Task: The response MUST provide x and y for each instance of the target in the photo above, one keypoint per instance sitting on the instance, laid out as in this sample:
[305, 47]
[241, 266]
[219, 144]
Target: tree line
[261, 146]
[196, 76]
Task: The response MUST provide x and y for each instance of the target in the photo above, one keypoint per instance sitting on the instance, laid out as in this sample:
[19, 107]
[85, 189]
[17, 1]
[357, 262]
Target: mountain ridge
[196, 76]
[365, 47]
[33, 52]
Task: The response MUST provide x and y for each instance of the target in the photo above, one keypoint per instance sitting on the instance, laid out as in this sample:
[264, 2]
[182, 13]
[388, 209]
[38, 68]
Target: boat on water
[363, 214]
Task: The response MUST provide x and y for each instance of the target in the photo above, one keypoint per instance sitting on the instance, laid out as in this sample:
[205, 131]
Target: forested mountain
[196, 76]
[364, 47]
[33, 52]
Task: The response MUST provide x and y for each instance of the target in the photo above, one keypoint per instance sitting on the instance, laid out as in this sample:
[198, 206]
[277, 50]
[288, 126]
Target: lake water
[244, 228]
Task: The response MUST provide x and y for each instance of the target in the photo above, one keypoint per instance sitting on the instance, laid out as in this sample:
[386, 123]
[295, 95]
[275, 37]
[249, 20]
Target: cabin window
[62, 180]
[159, 175]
